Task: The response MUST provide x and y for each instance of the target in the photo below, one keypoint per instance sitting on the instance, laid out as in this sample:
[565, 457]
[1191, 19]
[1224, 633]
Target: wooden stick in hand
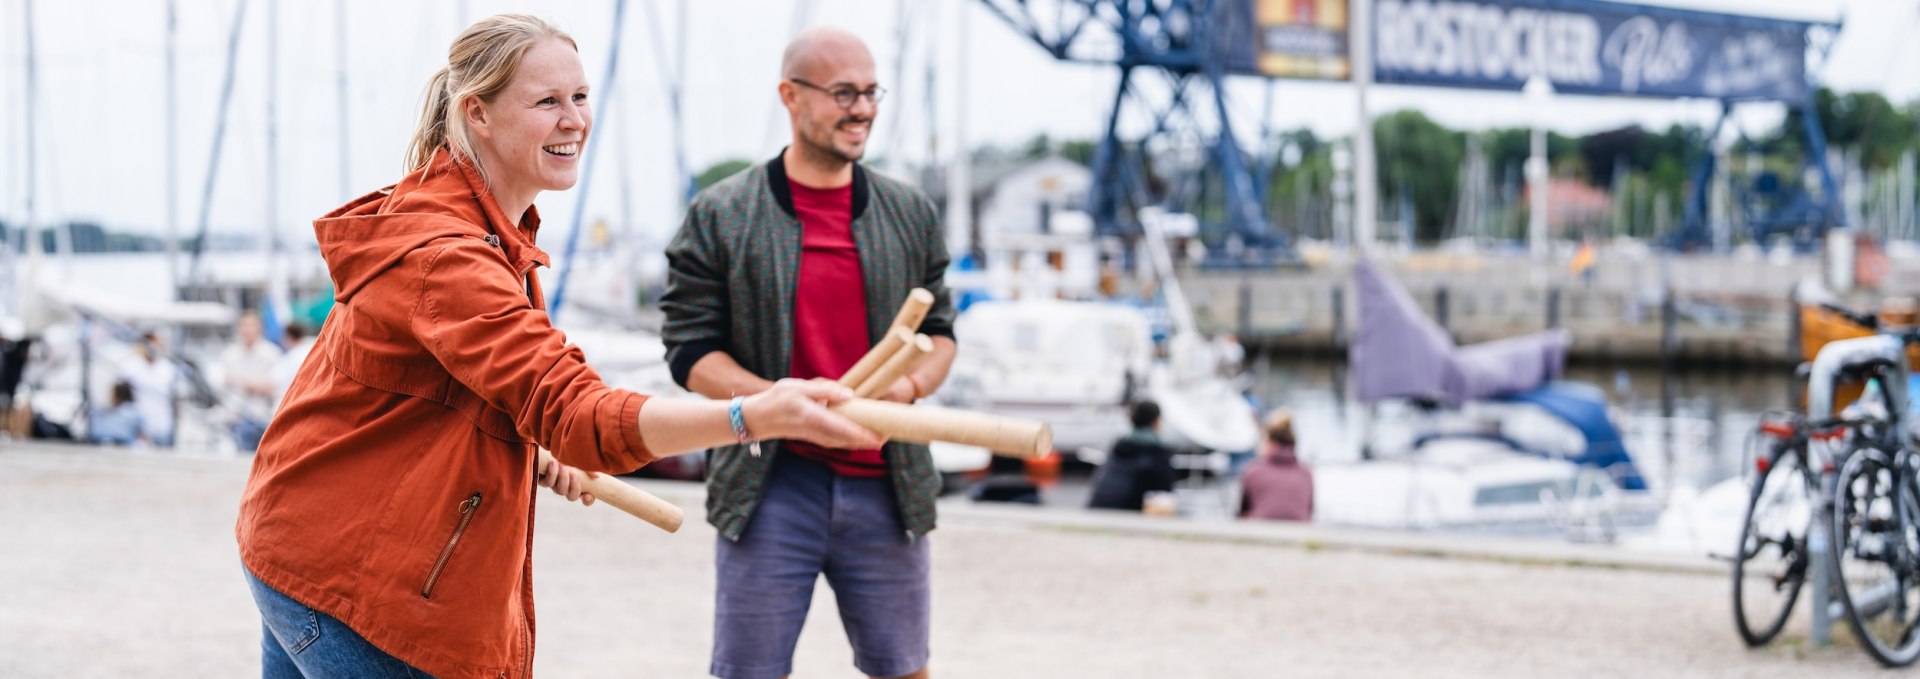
[914, 310]
[642, 504]
[889, 345]
[1007, 436]
[902, 361]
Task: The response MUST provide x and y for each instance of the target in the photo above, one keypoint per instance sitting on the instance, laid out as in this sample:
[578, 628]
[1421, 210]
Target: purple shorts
[812, 522]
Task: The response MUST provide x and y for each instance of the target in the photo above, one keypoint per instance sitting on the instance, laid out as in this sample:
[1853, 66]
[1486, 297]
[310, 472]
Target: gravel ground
[124, 564]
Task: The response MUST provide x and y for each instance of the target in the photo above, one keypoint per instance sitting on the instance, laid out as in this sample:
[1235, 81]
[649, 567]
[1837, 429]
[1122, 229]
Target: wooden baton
[1006, 436]
[642, 504]
[890, 344]
[903, 360]
[914, 310]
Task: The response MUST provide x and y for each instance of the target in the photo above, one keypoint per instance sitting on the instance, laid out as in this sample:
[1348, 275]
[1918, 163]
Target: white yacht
[1079, 365]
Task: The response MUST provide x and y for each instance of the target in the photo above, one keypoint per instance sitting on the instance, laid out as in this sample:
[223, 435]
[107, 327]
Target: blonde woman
[386, 527]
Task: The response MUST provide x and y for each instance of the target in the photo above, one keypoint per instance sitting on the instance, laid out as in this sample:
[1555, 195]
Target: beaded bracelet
[737, 418]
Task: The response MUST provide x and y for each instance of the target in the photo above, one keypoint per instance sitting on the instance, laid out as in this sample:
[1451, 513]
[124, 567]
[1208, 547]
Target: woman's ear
[475, 114]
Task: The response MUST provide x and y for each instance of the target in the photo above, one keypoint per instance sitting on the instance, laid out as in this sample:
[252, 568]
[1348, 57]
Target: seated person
[1006, 482]
[118, 423]
[1139, 463]
[1277, 487]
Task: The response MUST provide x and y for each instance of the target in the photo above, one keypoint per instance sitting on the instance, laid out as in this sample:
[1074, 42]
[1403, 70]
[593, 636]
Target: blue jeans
[301, 642]
[247, 432]
[813, 522]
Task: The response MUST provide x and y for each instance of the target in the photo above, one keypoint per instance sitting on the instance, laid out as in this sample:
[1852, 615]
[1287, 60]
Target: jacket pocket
[467, 508]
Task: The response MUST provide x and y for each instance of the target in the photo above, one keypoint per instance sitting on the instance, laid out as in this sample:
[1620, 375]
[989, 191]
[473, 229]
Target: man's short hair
[1144, 414]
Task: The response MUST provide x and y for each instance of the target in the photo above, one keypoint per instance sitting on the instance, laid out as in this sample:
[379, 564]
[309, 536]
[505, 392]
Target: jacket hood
[444, 199]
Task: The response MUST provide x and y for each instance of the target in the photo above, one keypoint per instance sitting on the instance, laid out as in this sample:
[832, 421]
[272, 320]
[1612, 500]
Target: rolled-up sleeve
[473, 316]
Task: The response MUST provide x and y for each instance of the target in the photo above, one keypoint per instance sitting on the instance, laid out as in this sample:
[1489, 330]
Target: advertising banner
[1589, 47]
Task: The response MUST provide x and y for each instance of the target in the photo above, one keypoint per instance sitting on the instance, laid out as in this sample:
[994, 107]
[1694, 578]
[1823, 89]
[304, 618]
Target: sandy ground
[115, 564]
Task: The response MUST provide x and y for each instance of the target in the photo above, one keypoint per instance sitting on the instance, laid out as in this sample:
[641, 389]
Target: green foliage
[1299, 193]
[1865, 121]
[718, 171]
[1420, 159]
[1078, 150]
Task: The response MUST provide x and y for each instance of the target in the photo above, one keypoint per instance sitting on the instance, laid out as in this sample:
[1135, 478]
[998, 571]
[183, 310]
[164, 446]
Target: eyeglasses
[846, 97]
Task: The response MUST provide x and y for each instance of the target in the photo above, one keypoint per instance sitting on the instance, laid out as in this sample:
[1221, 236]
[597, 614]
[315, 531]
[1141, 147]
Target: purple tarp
[1398, 352]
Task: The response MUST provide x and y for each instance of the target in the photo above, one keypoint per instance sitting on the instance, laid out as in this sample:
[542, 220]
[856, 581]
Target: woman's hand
[565, 481]
[797, 409]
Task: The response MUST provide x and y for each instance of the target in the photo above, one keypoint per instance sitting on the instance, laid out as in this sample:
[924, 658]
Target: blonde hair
[1279, 426]
[480, 64]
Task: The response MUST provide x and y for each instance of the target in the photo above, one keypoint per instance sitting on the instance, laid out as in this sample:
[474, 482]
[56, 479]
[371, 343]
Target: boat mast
[960, 170]
[340, 86]
[219, 135]
[672, 74]
[274, 307]
[173, 144]
[586, 173]
[32, 96]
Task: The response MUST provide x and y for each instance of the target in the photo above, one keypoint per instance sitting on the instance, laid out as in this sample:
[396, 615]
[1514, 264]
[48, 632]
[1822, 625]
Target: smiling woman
[385, 527]
[522, 116]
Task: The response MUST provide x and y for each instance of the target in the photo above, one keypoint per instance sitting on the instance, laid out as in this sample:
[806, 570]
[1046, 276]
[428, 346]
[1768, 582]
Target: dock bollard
[1553, 307]
[1246, 308]
[1819, 541]
[1339, 316]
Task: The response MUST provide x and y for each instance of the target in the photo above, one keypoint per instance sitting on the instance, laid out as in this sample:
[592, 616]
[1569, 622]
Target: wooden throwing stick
[902, 361]
[642, 504]
[1007, 436]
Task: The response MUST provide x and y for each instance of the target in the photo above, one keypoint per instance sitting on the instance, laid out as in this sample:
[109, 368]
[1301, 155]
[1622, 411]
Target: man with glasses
[794, 269]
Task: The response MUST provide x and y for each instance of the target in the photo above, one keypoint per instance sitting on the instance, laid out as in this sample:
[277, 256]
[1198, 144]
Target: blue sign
[1589, 47]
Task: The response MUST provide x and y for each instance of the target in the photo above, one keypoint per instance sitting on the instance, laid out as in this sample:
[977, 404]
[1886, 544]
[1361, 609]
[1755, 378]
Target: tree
[718, 171]
[1856, 120]
[1078, 150]
[1421, 159]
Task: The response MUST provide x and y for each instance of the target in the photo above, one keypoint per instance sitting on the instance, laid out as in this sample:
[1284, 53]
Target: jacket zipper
[526, 643]
[466, 516]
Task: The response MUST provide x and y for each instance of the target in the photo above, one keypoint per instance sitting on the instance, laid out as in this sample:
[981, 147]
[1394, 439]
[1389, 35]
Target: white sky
[101, 103]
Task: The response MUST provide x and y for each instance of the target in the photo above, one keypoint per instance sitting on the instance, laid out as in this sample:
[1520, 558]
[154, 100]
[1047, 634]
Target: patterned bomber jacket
[732, 270]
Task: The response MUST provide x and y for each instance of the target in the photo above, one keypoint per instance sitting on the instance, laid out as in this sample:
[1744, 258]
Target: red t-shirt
[829, 310]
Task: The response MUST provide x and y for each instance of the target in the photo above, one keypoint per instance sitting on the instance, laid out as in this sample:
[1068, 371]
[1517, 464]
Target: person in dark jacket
[1277, 488]
[1138, 464]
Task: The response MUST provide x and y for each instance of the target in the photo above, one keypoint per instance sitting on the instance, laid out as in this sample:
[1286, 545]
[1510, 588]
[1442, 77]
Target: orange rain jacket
[395, 488]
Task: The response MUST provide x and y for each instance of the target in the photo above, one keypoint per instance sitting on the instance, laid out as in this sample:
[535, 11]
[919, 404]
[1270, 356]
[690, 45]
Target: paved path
[123, 564]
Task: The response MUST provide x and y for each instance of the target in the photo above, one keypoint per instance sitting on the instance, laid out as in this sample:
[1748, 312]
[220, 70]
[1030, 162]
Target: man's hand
[902, 391]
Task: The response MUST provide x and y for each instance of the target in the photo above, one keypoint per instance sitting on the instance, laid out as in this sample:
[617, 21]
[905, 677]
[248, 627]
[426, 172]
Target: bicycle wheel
[1875, 542]
[1772, 562]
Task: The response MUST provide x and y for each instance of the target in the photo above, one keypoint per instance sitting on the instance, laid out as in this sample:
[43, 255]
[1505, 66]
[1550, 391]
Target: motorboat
[1079, 366]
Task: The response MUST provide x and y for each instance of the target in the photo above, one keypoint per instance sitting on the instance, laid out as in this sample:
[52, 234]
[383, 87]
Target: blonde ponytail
[431, 132]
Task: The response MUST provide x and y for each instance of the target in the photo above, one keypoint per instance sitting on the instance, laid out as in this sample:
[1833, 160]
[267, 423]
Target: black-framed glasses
[846, 97]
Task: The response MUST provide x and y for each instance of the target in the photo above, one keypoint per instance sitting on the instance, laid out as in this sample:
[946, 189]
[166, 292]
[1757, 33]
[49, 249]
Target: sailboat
[1498, 441]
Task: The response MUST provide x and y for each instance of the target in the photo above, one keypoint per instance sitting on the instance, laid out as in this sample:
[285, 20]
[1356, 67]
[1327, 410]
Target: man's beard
[831, 150]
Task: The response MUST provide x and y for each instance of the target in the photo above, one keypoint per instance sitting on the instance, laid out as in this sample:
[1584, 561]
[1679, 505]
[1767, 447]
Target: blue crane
[1193, 46]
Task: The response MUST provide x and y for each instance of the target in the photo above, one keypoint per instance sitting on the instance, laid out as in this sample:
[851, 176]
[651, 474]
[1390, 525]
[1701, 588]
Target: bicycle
[1771, 566]
[1876, 505]
[1774, 555]
[1876, 523]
